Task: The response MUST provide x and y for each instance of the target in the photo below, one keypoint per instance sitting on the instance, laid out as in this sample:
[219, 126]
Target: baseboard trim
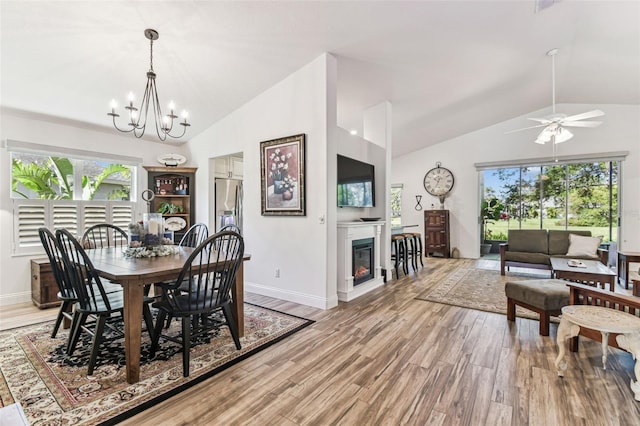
[15, 298]
[291, 296]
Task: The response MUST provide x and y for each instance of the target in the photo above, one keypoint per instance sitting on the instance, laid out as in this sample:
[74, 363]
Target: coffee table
[604, 320]
[594, 273]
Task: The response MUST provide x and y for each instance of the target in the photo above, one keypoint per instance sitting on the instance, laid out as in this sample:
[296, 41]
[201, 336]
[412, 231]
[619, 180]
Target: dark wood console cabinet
[436, 232]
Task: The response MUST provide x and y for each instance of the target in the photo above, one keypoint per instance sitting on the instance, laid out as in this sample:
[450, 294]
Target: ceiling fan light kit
[555, 125]
[138, 116]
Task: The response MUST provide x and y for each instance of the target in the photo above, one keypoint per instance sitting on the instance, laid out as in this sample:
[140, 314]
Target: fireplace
[351, 257]
[362, 264]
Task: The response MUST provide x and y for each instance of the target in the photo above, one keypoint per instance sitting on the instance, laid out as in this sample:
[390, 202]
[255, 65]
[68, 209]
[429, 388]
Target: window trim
[36, 148]
[547, 161]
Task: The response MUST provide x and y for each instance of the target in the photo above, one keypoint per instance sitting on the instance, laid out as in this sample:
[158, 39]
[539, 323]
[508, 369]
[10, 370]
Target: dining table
[133, 274]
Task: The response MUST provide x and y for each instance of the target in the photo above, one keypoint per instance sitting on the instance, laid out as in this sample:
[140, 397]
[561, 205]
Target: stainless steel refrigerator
[228, 202]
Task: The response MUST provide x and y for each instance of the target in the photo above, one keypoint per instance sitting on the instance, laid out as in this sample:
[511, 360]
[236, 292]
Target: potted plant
[170, 208]
[490, 211]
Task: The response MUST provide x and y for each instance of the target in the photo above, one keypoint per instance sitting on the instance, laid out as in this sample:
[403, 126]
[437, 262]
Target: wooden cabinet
[44, 289]
[436, 232]
[230, 167]
[174, 189]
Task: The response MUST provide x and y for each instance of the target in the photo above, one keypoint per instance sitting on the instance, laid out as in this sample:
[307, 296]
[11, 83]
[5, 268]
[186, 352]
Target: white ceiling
[447, 67]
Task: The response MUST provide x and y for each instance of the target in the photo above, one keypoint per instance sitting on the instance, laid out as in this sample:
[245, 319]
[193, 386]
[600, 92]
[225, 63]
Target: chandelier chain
[151, 56]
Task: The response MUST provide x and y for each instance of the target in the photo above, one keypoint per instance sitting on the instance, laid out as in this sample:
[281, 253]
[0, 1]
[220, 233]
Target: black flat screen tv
[356, 183]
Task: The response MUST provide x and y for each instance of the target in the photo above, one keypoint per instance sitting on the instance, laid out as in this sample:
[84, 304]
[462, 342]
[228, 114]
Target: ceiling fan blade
[584, 115]
[541, 120]
[525, 128]
[581, 123]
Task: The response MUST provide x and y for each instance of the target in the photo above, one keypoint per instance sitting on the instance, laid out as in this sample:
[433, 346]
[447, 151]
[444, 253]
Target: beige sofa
[532, 248]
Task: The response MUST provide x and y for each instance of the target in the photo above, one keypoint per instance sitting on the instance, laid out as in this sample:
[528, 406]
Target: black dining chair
[192, 238]
[209, 273]
[92, 299]
[194, 235]
[104, 235]
[230, 227]
[65, 289]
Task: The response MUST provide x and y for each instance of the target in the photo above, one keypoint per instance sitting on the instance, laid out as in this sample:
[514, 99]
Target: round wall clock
[438, 181]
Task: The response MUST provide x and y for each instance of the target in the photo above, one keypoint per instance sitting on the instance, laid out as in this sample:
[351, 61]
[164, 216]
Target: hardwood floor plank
[499, 414]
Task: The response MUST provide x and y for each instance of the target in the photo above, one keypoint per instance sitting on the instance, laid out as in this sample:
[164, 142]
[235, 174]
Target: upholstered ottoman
[546, 297]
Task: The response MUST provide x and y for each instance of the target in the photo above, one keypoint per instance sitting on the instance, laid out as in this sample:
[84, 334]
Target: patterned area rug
[479, 289]
[55, 389]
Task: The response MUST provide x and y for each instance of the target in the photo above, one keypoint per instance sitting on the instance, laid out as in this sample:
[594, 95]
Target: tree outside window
[36, 176]
[396, 205]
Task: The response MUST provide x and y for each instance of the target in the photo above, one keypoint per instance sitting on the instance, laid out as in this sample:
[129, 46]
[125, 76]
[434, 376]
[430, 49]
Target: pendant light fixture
[138, 116]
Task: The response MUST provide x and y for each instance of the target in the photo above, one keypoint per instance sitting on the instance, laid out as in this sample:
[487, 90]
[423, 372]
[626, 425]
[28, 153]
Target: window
[396, 205]
[60, 190]
[572, 196]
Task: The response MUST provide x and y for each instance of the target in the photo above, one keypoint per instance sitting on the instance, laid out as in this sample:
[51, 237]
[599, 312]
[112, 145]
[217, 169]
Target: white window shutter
[29, 216]
[65, 215]
[94, 214]
[75, 216]
[122, 215]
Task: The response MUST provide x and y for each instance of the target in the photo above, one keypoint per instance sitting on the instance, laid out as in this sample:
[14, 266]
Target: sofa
[532, 248]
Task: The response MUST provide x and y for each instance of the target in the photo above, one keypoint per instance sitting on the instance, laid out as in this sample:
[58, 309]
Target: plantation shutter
[29, 215]
[65, 215]
[75, 216]
[94, 214]
[122, 215]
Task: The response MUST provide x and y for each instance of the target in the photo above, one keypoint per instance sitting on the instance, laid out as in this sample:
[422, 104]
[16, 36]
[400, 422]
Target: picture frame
[282, 171]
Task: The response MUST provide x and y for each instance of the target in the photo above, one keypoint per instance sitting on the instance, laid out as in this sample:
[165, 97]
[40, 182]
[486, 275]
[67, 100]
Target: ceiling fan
[555, 125]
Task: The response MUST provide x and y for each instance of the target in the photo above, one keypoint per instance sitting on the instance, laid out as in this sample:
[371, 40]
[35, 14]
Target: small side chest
[44, 289]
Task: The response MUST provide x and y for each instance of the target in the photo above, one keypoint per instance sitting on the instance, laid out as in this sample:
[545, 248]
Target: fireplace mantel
[347, 233]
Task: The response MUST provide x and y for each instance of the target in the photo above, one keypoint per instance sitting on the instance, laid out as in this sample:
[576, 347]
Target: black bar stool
[415, 251]
[399, 253]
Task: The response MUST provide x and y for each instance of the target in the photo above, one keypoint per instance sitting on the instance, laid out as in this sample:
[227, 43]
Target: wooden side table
[604, 320]
[44, 289]
[636, 287]
[624, 257]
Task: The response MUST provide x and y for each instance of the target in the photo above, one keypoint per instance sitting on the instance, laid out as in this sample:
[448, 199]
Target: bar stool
[415, 242]
[399, 253]
[410, 246]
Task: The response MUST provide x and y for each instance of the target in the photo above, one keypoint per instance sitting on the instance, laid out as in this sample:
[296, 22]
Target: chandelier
[138, 120]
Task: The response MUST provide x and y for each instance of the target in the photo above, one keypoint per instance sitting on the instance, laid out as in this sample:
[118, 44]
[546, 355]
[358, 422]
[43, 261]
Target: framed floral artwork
[282, 176]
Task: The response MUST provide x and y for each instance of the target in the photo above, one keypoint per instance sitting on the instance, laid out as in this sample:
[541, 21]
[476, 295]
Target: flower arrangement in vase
[288, 185]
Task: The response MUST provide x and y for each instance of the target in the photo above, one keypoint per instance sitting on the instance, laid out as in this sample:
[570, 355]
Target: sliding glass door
[557, 196]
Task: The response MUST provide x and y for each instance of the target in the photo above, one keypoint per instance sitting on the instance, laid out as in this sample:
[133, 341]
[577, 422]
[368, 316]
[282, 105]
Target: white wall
[15, 281]
[620, 131]
[356, 147]
[299, 246]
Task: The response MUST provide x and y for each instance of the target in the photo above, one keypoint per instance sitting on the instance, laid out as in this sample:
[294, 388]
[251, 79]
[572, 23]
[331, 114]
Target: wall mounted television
[356, 183]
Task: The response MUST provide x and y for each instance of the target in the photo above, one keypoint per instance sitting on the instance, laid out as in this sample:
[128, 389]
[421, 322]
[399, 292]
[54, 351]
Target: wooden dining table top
[111, 263]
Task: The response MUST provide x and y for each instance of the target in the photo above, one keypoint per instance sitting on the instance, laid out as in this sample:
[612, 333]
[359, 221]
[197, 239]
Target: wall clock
[438, 181]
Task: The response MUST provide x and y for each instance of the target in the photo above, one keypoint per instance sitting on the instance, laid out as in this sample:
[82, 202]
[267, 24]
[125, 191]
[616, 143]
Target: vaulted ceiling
[447, 67]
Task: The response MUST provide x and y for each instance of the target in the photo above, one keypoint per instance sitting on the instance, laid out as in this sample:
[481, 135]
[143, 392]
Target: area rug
[54, 388]
[479, 289]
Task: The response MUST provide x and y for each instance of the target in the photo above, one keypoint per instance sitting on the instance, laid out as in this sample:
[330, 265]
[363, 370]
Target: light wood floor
[389, 359]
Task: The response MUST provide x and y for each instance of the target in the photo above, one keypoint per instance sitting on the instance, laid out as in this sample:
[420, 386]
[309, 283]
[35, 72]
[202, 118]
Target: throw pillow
[583, 246]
